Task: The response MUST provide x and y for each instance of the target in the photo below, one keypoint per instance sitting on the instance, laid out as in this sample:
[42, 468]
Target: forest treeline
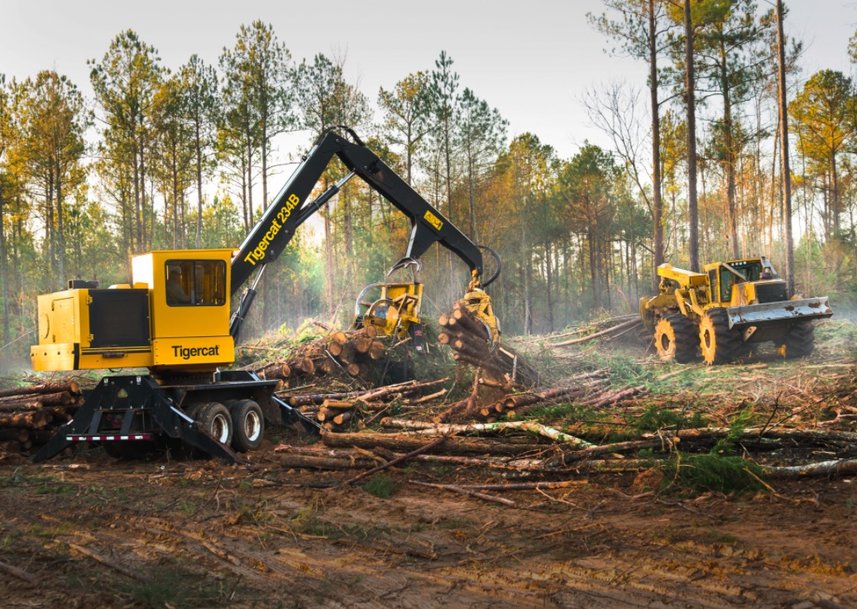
[189, 156]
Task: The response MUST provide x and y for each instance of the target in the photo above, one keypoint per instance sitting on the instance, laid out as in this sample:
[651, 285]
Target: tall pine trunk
[657, 199]
[782, 107]
[690, 85]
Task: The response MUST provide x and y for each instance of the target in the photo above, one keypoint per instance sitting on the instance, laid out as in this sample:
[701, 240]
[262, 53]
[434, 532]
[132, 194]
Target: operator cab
[745, 281]
[173, 315]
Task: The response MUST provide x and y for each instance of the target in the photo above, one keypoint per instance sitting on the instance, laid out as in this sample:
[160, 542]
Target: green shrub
[655, 418]
[381, 486]
[708, 472]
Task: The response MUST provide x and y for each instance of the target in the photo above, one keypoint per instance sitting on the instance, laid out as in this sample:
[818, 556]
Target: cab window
[750, 270]
[726, 281]
[196, 283]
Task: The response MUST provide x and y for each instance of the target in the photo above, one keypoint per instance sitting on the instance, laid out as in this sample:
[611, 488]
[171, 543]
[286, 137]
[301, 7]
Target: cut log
[338, 404]
[36, 419]
[348, 354]
[342, 418]
[409, 442]
[305, 364]
[48, 399]
[69, 386]
[377, 350]
[303, 461]
[338, 338]
[362, 343]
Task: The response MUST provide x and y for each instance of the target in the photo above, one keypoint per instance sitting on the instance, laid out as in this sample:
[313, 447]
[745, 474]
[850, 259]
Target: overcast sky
[533, 60]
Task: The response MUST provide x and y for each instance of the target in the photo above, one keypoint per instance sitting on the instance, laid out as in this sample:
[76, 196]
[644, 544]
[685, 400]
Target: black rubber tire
[675, 338]
[214, 418]
[248, 424]
[800, 341]
[717, 343]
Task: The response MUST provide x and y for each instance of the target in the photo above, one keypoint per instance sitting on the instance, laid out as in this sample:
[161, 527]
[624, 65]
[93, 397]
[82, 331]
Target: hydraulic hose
[496, 257]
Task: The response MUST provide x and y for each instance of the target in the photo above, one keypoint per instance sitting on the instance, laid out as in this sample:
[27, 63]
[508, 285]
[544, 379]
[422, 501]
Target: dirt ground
[88, 531]
[95, 533]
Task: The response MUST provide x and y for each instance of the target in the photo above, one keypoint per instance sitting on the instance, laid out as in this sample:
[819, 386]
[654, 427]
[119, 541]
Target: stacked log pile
[352, 354]
[30, 415]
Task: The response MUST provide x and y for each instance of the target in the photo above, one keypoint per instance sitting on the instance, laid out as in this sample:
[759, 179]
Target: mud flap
[774, 312]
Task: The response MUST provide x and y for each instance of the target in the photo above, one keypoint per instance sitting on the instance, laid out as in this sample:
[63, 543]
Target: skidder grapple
[719, 313]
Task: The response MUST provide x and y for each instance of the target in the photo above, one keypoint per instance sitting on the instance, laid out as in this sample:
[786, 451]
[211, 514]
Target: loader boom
[290, 208]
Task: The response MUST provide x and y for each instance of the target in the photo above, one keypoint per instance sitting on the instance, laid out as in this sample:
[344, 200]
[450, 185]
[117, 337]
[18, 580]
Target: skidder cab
[730, 305]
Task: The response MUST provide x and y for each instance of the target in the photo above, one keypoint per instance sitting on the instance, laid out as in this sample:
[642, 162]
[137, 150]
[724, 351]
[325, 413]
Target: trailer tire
[717, 342]
[800, 340]
[248, 424]
[674, 338]
[216, 421]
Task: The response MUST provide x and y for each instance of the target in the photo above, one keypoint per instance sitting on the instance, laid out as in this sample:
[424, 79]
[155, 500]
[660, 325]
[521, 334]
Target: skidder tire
[248, 424]
[717, 342]
[674, 338]
[215, 420]
[800, 341]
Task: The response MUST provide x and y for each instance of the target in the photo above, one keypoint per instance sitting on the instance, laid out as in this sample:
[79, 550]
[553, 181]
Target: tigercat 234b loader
[174, 320]
[721, 312]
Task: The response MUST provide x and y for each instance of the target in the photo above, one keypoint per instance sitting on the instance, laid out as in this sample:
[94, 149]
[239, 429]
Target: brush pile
[29, 416]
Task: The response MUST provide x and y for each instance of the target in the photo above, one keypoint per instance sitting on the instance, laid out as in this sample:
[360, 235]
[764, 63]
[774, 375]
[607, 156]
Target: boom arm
[290, 208]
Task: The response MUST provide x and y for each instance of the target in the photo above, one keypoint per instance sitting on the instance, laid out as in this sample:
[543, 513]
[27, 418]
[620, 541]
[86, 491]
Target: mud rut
[206, 535]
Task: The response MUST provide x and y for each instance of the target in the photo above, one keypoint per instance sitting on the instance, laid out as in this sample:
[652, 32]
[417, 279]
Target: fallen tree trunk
[822, 469]
[409, 442]
[305, 461]
[610, 330]
[440, 428]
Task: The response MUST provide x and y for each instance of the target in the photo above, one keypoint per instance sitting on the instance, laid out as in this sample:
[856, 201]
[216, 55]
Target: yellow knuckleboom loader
[173, 321]
[718, 314]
